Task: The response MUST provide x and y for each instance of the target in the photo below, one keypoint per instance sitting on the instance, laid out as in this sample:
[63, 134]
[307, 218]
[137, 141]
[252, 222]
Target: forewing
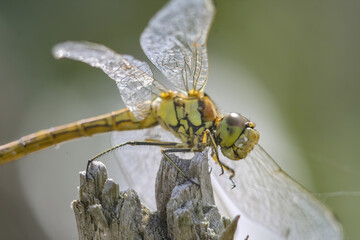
[267, 195]
[133, 77]
[175, 42]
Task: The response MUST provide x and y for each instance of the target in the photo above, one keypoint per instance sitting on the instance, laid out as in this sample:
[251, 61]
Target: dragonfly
[186, 119]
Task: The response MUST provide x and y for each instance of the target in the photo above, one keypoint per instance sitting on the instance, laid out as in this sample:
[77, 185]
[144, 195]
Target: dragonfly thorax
[187, 116]
[236, 136]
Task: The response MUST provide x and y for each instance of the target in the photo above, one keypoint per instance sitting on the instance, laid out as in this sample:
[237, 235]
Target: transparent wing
[133, 77]
[264, 193]
[267, 195]
[175, 42]
[138, 165]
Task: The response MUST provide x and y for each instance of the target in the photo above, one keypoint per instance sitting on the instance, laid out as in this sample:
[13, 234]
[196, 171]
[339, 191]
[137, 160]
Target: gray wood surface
[185, 210]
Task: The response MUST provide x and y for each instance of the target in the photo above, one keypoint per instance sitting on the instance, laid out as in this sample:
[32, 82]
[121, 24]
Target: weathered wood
[185, 210]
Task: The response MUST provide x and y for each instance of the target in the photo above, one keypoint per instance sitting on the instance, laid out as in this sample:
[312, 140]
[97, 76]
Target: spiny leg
[213, 148]
[226, 167]
[176, 150]
[215, 156]
[131, 143]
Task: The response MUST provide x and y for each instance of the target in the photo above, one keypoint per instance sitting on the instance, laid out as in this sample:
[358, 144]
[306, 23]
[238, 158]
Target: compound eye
[231, 128]
[236, 120]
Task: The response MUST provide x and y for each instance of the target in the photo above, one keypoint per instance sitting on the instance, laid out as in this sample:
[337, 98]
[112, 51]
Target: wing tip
[59, 50]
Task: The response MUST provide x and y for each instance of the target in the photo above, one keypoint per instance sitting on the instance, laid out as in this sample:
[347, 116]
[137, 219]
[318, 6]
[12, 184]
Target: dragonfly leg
[215, 156]
[214, 149]
[175, 150]
[226, 167]
[131, 143]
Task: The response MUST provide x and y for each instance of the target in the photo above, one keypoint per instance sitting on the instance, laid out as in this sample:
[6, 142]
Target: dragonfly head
[236, 136]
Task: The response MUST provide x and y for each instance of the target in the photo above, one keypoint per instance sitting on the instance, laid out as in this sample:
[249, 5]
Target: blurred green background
[303, 55]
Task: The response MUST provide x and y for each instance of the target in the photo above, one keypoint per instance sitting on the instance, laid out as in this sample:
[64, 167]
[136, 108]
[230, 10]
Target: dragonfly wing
[138, 165]
[175, 42]
[133, 77]
[266, 194]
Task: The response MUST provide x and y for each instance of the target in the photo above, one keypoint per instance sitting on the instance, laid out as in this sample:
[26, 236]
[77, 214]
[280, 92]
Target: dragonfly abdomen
[115, 121]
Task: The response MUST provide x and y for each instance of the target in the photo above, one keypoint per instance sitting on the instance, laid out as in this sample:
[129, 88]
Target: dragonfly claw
[232, 183]
[194, 182]
[87, 169]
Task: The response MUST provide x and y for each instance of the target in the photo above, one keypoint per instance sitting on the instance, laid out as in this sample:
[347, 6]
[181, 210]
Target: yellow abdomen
[116, 121]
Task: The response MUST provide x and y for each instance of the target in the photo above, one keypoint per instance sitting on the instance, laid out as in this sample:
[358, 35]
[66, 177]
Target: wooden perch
[185, 210]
